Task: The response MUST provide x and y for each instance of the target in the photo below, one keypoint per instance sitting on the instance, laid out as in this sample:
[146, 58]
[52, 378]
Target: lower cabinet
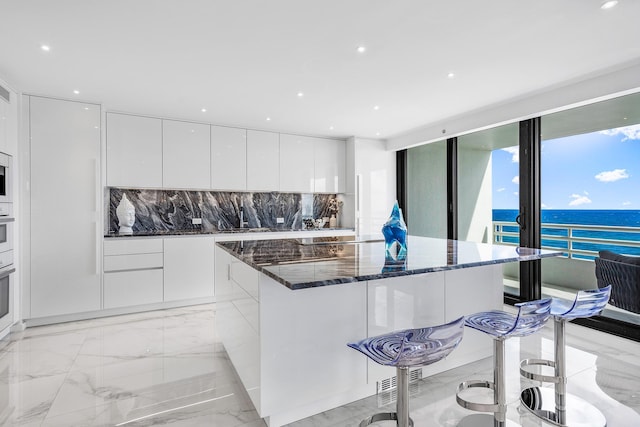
[133, 272]
[188, 267]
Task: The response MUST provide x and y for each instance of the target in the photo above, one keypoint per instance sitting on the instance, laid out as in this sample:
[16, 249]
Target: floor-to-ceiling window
[587, 199]
[590, 193]
[488, 191]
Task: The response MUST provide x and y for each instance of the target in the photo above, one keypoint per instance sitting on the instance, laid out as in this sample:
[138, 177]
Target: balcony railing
[576, 241]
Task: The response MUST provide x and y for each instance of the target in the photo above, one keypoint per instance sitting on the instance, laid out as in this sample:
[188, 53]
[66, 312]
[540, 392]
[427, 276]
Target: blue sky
[599, 170]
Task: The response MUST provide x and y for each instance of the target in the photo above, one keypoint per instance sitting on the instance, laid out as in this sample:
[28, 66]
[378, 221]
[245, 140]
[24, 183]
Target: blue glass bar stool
[407, 349]
[555, 406]
[531, 316]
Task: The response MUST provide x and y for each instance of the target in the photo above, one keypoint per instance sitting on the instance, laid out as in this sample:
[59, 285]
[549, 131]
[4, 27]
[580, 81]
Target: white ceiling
[246, 60]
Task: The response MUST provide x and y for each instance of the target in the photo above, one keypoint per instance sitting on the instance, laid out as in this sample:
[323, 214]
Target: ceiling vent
[5, 94]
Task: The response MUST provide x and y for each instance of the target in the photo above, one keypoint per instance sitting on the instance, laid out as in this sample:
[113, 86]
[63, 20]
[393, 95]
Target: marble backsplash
[173, 210]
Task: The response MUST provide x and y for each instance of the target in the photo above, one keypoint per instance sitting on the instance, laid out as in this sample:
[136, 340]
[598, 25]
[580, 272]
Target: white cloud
[629, 132]
[515, 153]
[579, 200]
[515, 193]
[627, 203]
[501, 189]
[516, 179]
[612, 176]
[543, 206]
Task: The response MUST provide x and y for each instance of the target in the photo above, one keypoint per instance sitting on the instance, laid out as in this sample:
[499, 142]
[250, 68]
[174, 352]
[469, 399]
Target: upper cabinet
[144, 152]
[228, 158]
[329, 165]
[185, 153]
[296, 163]
[263, 161]
[134, 151]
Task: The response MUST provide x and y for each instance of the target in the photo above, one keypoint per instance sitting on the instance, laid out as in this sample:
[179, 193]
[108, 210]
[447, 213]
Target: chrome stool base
[383, 416]
[541, 402]
[485, 420]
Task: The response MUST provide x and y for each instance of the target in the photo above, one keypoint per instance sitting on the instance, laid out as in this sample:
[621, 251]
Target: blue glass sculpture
[395, 234]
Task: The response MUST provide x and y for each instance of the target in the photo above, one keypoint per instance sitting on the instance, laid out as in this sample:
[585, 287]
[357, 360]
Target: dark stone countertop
[322, 261]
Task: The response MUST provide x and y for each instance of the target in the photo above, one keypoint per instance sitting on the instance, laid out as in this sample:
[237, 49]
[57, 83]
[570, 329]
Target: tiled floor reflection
[169, 368]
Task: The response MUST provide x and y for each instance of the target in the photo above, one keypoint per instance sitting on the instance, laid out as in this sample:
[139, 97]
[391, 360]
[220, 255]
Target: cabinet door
[134, 151]
[65, 202]
[296, 163]
[186, 155]
[329, 165]
[263, 161]
[188, 268]
[228, 158]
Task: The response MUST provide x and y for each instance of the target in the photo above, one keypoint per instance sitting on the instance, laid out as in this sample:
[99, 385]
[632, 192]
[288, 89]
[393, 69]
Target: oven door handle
[6, 219]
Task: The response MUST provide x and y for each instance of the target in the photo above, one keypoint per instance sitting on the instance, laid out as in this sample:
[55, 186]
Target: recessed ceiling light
[268, 119]
[300, 94]
[204, 110]
[376, 107]
[330, 127]
[377, 133]
[451, 75]
[609, 4]
[77, 92]
[86, 108]
[45, 47]
[361, 49]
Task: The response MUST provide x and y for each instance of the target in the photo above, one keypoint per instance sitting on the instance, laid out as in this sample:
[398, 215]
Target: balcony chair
[500, 325]
[556, 406]
[406, 349]
[623, 274]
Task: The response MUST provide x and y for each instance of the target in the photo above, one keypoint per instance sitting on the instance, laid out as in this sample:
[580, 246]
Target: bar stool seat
[555, 405]
[406, 349]
[531, 316]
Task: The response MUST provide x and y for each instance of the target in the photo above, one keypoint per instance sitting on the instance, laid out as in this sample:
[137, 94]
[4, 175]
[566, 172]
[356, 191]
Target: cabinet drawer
[133, 262]
[132, 246]
[245, 277]
[128, 288]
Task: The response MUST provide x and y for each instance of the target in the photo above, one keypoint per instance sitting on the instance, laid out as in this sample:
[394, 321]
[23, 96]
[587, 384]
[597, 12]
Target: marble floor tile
[168, 367]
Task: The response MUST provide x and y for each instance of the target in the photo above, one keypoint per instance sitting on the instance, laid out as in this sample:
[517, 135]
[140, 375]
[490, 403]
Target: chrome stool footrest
[382, 416]
[576, 412]
[540, 377]
[480, 407]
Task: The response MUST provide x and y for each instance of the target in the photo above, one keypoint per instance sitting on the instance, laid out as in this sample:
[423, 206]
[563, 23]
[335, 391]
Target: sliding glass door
[590, 194]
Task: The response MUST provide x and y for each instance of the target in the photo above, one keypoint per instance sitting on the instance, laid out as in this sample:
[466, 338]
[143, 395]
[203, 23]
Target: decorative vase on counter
[395, 234]
[333, 221]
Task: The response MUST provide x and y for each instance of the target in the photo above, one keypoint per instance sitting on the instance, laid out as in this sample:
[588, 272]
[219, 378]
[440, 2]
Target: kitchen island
[287, 309]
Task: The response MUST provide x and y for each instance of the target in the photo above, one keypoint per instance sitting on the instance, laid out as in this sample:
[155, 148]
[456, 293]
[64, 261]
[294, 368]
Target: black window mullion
[529, 216]
[452, 188]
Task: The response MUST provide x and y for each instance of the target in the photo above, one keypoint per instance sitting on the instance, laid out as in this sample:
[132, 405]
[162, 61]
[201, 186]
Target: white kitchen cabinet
[263, 161]
[189, 268]
[228, 158]
[186, 155]
[329, 165]
[132, 272]
[296, 163]
[134, 151]
[64, 202]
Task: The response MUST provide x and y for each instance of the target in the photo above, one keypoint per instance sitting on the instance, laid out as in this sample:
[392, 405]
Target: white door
[65, 204]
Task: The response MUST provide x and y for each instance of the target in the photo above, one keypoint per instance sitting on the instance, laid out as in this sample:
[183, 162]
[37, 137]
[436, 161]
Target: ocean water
[555, 238]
